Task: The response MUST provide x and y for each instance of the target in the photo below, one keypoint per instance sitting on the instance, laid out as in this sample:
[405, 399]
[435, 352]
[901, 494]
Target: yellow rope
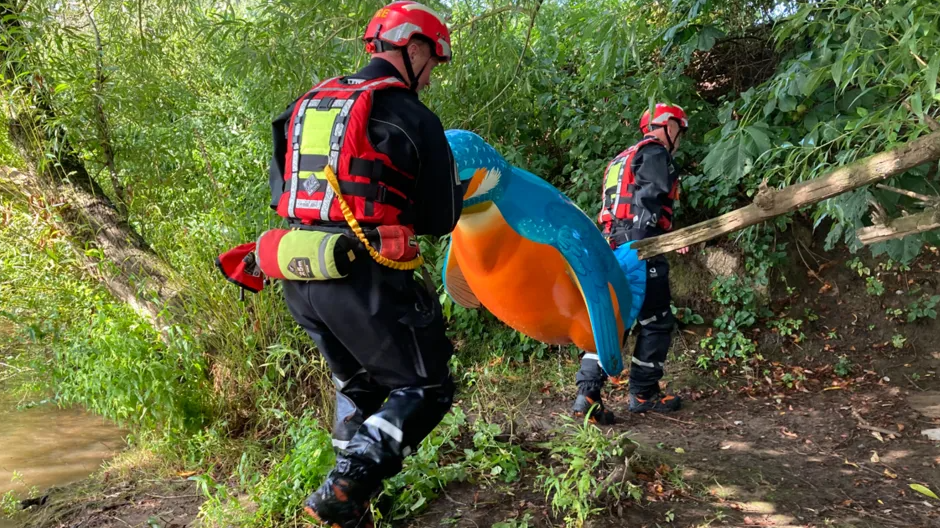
[357, 229]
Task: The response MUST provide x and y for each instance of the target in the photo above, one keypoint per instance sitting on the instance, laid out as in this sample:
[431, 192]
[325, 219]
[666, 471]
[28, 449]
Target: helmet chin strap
[412, 78]
[672, 144]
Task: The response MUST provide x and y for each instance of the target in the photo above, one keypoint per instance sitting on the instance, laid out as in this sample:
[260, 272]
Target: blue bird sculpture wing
[634, 270]
[541, 213]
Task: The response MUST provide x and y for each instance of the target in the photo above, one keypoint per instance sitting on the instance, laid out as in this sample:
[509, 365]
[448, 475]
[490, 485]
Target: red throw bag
[240, 267]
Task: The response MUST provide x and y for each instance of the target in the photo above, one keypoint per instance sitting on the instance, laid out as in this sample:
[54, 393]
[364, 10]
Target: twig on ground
[863, 424]
[173, 497]
[916, 386]
[663, 416]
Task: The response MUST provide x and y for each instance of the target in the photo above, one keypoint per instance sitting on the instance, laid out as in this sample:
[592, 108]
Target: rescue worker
[381, 331]
[641, 186]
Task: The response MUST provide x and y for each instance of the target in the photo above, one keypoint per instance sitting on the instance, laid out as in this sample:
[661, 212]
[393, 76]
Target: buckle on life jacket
[617, 239]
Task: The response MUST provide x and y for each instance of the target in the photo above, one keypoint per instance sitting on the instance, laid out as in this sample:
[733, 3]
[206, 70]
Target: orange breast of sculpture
[523, 283]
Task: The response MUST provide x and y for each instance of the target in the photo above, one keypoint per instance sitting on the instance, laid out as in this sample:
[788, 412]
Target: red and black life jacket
[620, 185]
[329, 125]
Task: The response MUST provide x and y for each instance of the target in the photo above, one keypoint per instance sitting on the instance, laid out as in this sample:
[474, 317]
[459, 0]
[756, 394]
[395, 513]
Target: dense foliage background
[167, 104]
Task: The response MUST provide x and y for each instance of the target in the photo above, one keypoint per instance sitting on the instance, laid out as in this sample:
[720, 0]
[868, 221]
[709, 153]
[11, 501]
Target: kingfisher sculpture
[529, 255]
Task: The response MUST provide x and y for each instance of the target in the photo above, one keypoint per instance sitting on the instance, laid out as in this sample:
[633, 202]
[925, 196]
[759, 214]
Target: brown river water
[49, 446]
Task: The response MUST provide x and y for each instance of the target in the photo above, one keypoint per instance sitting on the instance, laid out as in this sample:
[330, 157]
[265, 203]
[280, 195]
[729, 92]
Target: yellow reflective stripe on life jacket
[616, 174]
[613, 174]
[319, 131]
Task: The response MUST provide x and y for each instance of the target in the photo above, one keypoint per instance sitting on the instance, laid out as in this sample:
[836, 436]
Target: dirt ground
[785, 443]
[124, 502]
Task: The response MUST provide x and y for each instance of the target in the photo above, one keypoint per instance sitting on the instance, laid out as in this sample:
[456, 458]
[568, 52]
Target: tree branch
[910, 194]
[772, 203]
[102, 119]
[901, 227]
[139, 277]
[525, 47]
[488, 14]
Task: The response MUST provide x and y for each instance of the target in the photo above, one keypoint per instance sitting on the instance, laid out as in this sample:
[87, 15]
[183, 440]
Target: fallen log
[770, 203]
[927, 220]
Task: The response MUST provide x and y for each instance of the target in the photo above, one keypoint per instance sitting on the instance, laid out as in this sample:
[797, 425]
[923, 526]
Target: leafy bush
[581, 457]
[281, 492]
[925, 307]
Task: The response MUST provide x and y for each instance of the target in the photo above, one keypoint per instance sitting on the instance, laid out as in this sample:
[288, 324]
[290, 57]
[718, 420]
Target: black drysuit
[380, 330]
[655, 173]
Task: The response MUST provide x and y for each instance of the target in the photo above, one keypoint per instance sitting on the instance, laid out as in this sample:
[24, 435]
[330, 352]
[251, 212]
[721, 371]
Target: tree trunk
[139, 277]
[770, 203]
[901, 227]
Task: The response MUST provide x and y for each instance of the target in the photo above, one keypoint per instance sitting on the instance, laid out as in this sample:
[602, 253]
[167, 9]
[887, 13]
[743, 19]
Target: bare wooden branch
[901, 227]
[772, 203]
[911, 194]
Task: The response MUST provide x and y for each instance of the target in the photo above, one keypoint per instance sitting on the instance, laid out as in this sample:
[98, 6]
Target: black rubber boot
[340, 502]
[590, 405]
[590, 380]
[658, 402]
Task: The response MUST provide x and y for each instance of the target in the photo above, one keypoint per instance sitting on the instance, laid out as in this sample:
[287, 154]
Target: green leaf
[917, 105]
[758, 133]
[770, 107]
[837, 68]
[707, 37]
[933, 68]
[923, 490]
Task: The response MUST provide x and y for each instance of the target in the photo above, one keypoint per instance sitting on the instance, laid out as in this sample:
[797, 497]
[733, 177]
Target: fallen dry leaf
[900, 428]
[787, 433]
[875, 458]
[877, 435]
[890, 475]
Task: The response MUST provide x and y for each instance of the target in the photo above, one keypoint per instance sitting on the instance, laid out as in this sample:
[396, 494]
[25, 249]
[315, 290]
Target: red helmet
[661, 115]
[397, 22]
